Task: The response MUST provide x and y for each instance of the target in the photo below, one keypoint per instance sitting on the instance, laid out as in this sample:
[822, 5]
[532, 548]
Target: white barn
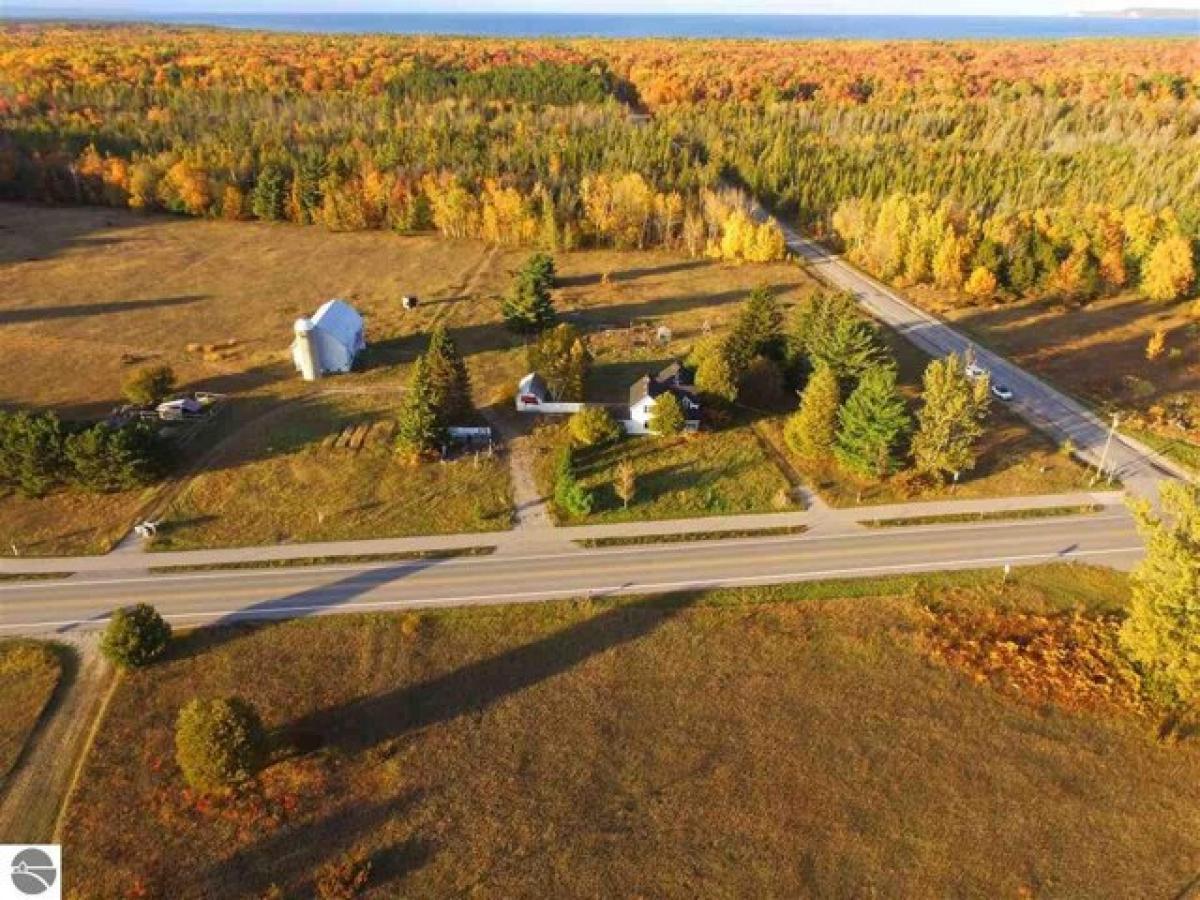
[329, 341]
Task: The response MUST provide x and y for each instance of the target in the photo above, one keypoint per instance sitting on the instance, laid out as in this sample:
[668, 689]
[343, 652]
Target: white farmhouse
[329, 341]
[533, 396]
[643, 395]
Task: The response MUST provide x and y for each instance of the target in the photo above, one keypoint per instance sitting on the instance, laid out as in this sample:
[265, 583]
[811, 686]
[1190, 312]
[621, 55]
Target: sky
[865, 7]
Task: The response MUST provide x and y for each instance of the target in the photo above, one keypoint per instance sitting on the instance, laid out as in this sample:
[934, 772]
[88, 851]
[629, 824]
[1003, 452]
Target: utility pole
[1112, 429]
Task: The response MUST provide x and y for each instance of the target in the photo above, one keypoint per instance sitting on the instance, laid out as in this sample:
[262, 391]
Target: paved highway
[1138, 467]
[39, 607]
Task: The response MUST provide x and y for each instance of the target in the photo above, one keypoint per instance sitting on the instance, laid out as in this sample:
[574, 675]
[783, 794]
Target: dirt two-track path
[34, 796]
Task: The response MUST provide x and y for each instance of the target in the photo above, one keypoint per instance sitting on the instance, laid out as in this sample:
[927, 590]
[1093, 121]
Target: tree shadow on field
[362, 724]
[291, 857]
[567, 281]
[30, 233]
[320, 597]
[84, 310]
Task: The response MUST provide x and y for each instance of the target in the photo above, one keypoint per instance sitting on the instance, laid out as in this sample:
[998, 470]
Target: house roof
[675, 378]
[677, 375]
[341, 320]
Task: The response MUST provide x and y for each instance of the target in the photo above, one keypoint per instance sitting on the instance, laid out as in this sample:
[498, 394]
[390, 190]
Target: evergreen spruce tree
[307, 196]
[1022, 267]
[31, 451]
[871, 424]
[950, 420]
[811, 430]
[418, 430]
[830, 331]
[449, 382]
[526, 307]
[267, 198]
[757, 331]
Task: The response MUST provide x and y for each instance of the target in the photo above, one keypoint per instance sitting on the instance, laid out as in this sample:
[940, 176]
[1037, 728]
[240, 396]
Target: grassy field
[711, 473]
[110, 290]
[280, 482]
[29, 673]
[728, 744]
[1097, 353]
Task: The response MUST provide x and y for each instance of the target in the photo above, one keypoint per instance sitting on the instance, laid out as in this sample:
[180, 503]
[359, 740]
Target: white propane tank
[304, 351]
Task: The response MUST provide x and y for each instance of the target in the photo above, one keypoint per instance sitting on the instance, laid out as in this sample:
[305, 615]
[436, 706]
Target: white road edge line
[269, 571]
[628, 588]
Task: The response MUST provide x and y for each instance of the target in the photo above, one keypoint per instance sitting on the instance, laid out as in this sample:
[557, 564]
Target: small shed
[328, 342]
[532, 391]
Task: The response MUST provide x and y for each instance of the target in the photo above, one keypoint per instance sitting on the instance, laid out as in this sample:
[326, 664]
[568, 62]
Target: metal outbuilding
[329, 341]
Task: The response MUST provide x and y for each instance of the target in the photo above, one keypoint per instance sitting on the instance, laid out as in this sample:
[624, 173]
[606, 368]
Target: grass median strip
[34, 576]
[688, 536]
[997, 515]
[325, 560]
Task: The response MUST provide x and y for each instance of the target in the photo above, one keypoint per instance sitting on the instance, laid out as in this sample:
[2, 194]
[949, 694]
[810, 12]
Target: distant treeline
[547, 84]
[533, 142]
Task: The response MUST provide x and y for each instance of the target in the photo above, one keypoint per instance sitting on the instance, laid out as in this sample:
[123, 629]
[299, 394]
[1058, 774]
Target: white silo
[304, 350]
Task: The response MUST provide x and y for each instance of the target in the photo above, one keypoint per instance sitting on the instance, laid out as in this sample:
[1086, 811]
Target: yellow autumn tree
[768, 244]
[506, 218]
[982, 283]
[454, 210]
[949, 260]
[1139, 226]
[233, 203]
[1157, 344]
[143, 186]
[1168, 272]
[185, 188]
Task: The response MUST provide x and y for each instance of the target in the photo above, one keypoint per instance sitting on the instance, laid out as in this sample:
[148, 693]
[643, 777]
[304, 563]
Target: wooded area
[546, 142]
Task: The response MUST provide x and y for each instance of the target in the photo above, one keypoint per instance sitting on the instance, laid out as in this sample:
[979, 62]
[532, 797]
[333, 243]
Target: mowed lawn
[795, 741]
[711, 473]
[29, 673]
[282, 481]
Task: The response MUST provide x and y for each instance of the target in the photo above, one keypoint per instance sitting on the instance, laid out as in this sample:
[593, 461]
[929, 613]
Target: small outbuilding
[329, 342]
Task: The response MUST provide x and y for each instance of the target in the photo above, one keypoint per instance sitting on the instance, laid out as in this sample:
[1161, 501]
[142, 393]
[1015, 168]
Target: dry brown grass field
[29, 673]
[1098, 353]
[281, 481]
[90, 294]
[794, 741]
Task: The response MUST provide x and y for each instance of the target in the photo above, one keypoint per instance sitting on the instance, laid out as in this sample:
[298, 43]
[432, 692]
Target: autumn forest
[993, 169]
